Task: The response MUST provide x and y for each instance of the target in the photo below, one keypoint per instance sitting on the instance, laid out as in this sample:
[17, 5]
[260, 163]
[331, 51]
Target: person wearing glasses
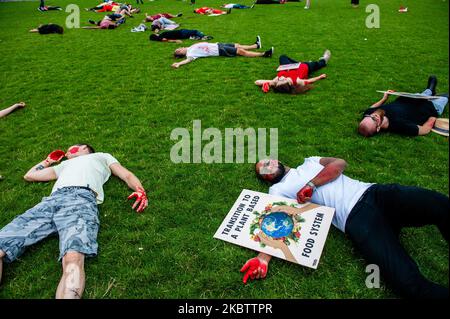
[406, 116]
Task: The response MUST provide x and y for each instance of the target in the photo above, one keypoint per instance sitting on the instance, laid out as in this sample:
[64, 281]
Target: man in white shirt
[370, 214]
[71, 211]
[206, 49]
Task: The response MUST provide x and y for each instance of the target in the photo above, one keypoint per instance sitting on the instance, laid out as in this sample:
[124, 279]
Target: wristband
[311, 184]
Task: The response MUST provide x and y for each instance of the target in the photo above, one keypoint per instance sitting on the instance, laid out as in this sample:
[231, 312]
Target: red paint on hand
[252, 267]
[305, 194]
[266, 87]
[56, 155]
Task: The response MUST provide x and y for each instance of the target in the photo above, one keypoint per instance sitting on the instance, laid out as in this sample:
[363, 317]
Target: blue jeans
[186, 34]
[165, 21]
[439, 104]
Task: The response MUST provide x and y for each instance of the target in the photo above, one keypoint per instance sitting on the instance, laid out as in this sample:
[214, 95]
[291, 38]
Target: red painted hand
[254, 268]
[304, 195]
[141, 200]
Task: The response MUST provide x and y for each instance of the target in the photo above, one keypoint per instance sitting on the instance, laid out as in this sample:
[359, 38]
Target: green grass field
[116, 90]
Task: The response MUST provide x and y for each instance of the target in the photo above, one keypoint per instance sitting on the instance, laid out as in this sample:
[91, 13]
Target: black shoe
[432, 83]
[229, 11]
[268, 53]
[179, 14]
[92, 22]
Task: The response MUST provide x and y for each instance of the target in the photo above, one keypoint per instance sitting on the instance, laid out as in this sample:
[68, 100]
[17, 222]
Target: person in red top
[211, 11]
[293, 76]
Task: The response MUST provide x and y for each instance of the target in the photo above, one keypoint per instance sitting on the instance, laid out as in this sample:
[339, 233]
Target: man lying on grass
[175, 36]
[71, 211]
[110, 21]
[293, 76]
[372, 216]
[151, 18]
[205, 49]
[407, 116]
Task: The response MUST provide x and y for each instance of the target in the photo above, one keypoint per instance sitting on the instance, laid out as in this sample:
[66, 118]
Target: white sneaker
[326, 55]
[258, 42]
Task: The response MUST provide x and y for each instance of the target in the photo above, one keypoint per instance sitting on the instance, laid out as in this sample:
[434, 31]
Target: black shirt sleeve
[403, 127]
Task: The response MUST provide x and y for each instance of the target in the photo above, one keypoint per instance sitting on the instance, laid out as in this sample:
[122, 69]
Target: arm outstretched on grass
[176, 65]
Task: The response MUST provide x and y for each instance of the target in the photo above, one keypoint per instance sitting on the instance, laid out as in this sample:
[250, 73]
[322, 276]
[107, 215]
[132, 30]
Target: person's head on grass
[79, 150]
[180, 53]
[371, 124]
[270, 170]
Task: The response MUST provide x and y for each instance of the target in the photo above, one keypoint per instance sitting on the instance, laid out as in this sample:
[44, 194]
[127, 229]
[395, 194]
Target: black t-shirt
[49, 28]
[170, 35]
[404, 114]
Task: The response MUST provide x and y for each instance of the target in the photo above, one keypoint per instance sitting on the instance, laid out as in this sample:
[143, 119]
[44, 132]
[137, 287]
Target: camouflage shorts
[72, 213]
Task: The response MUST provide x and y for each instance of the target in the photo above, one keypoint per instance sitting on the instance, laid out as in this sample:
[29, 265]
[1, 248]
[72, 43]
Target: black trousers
[374, 225]
[312, 66]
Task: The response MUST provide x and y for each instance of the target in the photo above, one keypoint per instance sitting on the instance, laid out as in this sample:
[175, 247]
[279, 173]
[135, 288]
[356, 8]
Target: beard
[281, 170]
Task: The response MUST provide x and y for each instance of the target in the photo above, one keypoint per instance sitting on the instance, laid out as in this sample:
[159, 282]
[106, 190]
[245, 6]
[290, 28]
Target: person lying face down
[206, 49]
[371, 215]
[176, 36]
[295, 78]
[406, 116]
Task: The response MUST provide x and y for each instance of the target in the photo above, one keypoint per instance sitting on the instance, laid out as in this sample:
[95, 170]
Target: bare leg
[246, 47]
[2, 254]
[308, 3]
[34, 30]
[249, 54]
[11, 109]
[72, 281]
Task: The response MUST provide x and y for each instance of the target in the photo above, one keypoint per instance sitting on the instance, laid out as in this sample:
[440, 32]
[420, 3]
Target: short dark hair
[178, 55]
[89, 147]
[283, 88]
[281, 171]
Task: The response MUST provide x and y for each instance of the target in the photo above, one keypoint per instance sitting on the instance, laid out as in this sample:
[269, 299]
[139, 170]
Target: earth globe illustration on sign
[277, 225]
